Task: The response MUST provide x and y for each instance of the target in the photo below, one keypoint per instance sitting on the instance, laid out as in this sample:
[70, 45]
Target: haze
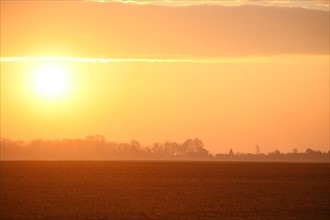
[235, 76]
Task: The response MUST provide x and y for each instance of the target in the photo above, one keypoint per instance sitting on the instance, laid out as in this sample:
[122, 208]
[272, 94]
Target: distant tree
[193, 145]
[157, 148]
[96, 138]
[309, 151]
[169, 148]
[135, 145]
[199, 145]
[276, 152]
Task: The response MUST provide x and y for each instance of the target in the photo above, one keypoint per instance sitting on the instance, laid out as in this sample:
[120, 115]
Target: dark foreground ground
[164, 190]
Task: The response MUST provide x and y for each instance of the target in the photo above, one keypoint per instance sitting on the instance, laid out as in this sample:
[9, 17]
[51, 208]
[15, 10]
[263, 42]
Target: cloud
[131, 60]
[323, 2]
[197, 31]
[316, 4]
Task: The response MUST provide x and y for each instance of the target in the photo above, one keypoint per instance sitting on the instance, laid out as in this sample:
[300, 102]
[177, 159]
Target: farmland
[164, 190]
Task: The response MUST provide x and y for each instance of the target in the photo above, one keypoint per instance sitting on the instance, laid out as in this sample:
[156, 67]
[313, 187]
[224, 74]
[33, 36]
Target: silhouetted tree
[96, 147]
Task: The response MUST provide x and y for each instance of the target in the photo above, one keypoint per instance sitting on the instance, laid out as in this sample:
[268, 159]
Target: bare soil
[164, 190]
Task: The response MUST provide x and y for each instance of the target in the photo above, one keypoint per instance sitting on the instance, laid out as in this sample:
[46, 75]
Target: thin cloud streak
[312, 4]
[130, 60]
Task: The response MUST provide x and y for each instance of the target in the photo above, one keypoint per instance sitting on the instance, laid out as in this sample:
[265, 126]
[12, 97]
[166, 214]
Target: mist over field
[98, 148]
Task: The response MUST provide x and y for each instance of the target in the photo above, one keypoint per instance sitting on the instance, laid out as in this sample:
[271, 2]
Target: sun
[51, 81]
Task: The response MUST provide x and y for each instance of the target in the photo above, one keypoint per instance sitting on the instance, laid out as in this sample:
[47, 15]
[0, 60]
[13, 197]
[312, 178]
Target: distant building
[231, 153]
[257, 149]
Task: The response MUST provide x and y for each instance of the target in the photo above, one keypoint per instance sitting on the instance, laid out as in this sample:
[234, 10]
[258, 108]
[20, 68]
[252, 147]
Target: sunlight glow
[51, 81]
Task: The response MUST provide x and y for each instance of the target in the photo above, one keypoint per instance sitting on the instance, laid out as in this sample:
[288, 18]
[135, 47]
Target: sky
[235, 74]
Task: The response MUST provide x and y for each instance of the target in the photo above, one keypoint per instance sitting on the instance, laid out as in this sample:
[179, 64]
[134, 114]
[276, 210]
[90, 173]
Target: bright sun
[51, 81]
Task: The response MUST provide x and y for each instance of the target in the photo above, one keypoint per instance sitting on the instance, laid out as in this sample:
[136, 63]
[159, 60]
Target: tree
[135, 145]
[193, 145]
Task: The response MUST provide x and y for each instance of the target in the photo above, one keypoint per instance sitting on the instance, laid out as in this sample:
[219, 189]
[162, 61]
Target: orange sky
[234, 76]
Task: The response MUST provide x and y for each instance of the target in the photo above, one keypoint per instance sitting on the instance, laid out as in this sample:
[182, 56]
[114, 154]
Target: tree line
[96, 147]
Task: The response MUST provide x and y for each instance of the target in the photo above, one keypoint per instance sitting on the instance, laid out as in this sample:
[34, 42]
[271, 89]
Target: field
[164, 190]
